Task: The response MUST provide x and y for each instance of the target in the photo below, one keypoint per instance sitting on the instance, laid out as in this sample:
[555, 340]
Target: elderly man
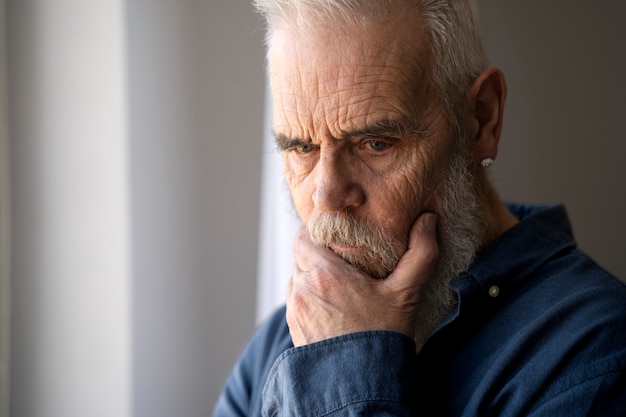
[416, 290]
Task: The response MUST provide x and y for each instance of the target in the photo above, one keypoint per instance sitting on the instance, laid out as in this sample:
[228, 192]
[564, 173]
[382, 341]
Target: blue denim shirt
[540, 330]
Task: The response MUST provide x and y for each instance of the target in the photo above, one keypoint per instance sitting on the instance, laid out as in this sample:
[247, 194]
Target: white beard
[461, 226]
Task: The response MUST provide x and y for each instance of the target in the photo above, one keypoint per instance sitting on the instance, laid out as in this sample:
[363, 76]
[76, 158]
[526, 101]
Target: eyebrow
[381, 128]
[284, 142]
[384, 128]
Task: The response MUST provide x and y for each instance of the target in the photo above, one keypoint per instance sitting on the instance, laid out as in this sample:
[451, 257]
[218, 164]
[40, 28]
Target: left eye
[378, 145]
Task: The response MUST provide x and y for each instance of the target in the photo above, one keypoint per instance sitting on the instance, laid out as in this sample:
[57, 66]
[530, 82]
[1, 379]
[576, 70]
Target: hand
[328, 297]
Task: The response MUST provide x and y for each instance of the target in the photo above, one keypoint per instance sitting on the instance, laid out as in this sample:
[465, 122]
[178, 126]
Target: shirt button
[494, 291]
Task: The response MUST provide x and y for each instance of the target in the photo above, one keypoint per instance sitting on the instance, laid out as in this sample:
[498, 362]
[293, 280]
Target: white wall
[71, 341]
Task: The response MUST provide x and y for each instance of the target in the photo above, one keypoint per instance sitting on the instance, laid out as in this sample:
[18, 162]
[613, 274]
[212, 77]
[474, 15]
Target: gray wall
[196, 115]
[5, 219]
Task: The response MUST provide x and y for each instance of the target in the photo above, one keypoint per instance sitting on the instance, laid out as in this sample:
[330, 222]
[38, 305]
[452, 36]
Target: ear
[487, 96]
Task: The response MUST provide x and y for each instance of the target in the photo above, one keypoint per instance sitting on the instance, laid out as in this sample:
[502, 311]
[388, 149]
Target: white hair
[453, 27]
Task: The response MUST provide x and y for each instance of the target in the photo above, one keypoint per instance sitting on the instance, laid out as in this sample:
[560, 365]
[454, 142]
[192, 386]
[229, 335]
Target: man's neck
[499, 218]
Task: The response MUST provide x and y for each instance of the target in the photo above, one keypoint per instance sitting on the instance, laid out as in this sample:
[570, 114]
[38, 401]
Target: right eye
[304, 149]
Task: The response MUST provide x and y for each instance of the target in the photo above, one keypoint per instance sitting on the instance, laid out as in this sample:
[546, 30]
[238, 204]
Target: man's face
[363, 140]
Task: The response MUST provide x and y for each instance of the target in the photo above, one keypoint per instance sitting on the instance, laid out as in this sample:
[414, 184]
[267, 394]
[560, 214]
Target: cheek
[299, 187]
[421, 179]
[404, 198]
[411, 182]
[394, 204]
[297, 169]
[409, 203]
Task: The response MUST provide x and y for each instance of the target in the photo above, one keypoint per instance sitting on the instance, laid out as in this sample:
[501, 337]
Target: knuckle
[295, 302]
[319, 281]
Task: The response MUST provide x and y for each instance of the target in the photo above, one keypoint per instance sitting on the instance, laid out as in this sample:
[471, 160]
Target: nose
[337, 186]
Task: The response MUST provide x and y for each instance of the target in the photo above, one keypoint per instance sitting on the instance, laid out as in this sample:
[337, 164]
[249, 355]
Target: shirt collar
[543, 231]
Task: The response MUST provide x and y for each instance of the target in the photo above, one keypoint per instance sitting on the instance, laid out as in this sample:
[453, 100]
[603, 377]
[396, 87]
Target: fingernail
[430, 222]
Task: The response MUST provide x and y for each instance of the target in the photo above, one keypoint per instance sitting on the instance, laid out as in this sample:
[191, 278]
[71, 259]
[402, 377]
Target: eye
[304, 149]
[378, 145]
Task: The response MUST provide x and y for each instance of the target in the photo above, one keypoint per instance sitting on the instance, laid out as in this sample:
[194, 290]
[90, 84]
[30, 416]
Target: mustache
[344, 229]
[340, 229]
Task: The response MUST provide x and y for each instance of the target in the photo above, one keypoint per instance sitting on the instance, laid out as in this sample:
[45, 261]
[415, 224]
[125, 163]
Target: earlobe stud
[486, 163]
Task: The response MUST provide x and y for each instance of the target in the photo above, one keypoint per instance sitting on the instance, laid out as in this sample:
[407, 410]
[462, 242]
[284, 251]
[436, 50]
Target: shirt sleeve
[359, 374]
[241, 395]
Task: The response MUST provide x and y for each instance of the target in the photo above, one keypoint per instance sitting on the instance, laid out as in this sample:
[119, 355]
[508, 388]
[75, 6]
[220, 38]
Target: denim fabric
[349, 380]
[540, 330]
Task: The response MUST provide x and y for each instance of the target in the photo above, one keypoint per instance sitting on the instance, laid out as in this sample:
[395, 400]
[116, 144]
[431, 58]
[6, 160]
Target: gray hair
[457, 47]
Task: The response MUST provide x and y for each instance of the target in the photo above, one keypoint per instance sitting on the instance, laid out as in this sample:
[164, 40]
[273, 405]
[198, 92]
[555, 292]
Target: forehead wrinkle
[401, 79]
[371, 99]
[365, 84]
[334, 121]
[346, 109]
[356, 80]
[298, 96]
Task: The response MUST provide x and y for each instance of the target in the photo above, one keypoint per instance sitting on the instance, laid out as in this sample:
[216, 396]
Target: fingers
[419, 261]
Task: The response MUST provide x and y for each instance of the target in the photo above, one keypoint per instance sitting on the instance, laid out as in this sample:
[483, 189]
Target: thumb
[418, 262]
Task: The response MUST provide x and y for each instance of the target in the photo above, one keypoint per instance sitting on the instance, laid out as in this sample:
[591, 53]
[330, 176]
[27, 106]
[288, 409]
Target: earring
[486, 163]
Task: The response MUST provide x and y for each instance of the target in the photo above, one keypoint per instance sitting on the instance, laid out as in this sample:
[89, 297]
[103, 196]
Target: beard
[460, 226]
